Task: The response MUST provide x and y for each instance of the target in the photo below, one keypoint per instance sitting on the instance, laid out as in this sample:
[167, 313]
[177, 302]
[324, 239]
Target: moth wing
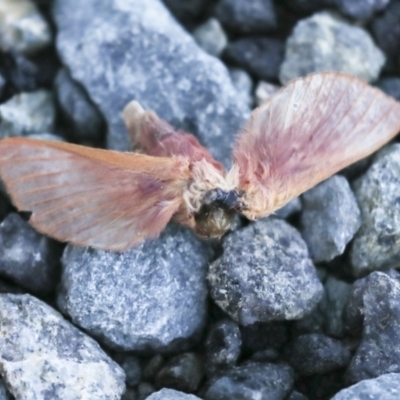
[92, 197]
[308, 131]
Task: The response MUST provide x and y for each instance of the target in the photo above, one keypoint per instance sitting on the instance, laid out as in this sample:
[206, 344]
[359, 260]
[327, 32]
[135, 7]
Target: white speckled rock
[325, 42]
[43, 356]
[152, 297]
[377, 243]
[170, 394]
[265, 274]
[22, 27]
[27, 113]
[330, 218]
[385, 387]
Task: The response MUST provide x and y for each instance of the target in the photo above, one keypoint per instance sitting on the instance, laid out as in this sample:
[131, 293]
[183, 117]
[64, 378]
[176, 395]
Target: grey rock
[294, 206]
[152, 367]
[183, 372]
[27, 257]
[222, 346]
[44, 356]
[144, 390]
[22, 28]
[170, 394]
[261, 56]
[252, 16]
[375, 304]
[325, 42]
[307, 6]
[330, 218]
[147, 56]
[333, 305]
[211, 37]
[296, 396]
[385, 387]
[390, 86]
[27, 113]
[131, 367]
[187, 11]
[4, 393]
[253, 381]
[130, 394]
[263, 92]
[262, 274]
[2, 84]
[360, 9]
[385, 28]
[160, 306]
[243, 84]
[264, 336]
[317, 354]
[377, 243]
[85, 120]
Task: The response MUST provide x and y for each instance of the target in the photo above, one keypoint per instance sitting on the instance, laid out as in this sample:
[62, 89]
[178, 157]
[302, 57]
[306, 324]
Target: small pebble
[211, 37]
[325, 42]
[222, 346]
[251, 16]
[317, 354]
[260, 56]
[330, 218]
[27, 113]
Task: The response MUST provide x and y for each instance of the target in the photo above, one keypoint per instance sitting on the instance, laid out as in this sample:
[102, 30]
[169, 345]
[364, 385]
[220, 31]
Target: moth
[306, 132]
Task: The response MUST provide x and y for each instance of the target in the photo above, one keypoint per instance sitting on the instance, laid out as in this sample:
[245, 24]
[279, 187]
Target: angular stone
[384, 387]
[390, 86]
[22, 28]
[183, 372]
[261, 56]
[243, 84]
[251, 16]
[27, 257]
[360, 9]
[265, 274]
[264, 91]
[317, 354]
[85, 120]
[170, 394]
[27, 113]
[44, 356]
[377, 243]
[330, 218]
[375, 308]
[252, 381]
[211, 37]
[134, 49]
[152, 297]
[325, 42]
[222, 345]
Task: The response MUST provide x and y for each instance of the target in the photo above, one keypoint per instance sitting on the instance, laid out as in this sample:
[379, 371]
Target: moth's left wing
[309, 130]
[92, 197]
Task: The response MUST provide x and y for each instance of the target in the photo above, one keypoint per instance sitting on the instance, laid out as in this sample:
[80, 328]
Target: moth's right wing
[92, 197]
[308, 131]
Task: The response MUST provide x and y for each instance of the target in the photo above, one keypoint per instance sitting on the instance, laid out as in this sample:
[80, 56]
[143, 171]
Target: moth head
[217, 212]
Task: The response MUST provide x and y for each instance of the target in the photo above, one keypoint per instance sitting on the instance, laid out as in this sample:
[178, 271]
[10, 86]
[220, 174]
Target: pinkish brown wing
[308, 131]
[92, 197]
[156, 137]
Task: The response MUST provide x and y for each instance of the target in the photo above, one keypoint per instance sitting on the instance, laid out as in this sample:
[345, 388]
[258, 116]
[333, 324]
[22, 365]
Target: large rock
[385, 387]
[265, 274]
[330, 218]
[43, 356]
[152, 297]
[134, 49]
[377, 243]
[374, 308]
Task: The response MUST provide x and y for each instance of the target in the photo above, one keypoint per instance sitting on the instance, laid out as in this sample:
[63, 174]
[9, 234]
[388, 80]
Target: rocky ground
[302, 305]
